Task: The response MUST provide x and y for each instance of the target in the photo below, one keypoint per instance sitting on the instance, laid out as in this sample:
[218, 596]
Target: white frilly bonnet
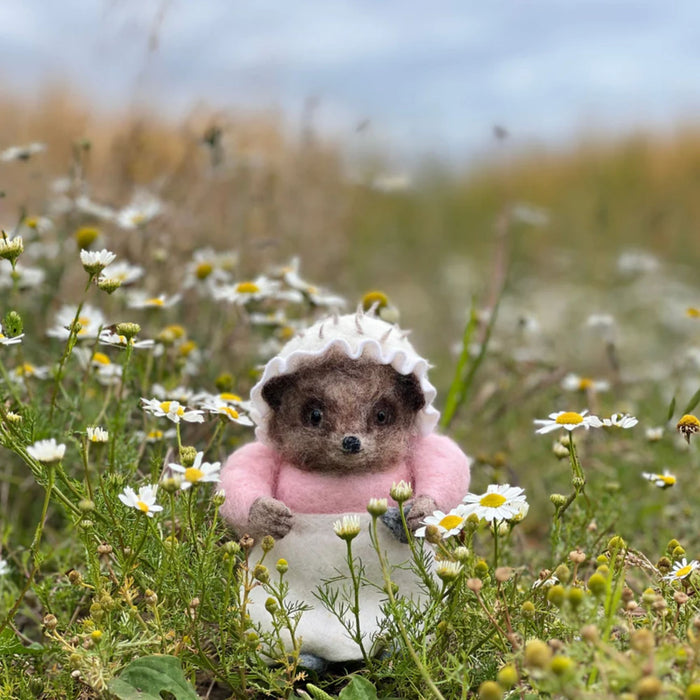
[357, 335]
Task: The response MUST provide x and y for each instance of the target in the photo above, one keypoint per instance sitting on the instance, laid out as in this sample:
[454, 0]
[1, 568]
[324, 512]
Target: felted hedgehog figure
[342, 413]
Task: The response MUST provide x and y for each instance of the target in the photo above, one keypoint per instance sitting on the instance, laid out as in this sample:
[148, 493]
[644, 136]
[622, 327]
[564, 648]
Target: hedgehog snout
[351, 444]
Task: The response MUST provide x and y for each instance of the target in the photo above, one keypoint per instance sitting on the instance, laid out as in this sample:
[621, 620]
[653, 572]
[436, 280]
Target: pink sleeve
[440, 470]
[250, 472]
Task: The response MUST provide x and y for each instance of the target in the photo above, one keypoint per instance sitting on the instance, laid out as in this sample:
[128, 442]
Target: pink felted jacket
[436, 467]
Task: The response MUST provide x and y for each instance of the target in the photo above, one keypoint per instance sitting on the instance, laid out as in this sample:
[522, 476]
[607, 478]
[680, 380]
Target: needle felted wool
[342, 412]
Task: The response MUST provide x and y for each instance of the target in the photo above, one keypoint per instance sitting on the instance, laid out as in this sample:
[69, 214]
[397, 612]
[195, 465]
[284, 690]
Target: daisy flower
[141, 300]
[156, 435]
[11, 248]
[682, 569]
[663, 481]
[91, 320]
[654, 434]
[123, 271]
[573, 382]
[96, 434]
[22, 277]
[84, 204]
[4, 340]
[209, 268]
[172, 410]
[688, 425]
[347, 528]
[22, 152]
[569, 420]
[500, 502]
[142, 209]
[620, 420]
[448, 570]
[27, 369]
[244, 292]
[46, 451]
[448, 524]
[223, 408]
[4, 567]
[144, 500]
[198, 472]
[108, 337]
[94, 261]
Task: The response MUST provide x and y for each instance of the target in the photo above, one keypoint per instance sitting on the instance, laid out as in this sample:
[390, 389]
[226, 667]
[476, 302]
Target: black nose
[351, 444]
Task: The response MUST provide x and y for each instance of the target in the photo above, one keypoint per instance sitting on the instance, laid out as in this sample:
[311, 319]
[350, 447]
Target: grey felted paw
[392, 519]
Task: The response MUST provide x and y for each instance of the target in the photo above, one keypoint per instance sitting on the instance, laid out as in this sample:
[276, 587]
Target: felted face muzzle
[356, 336]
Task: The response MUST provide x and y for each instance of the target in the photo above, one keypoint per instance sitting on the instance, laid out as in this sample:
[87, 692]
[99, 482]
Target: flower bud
[187, 455]
[556, 595]
[282, 566]
[537, 654]
[563, 573]
[574, 597]
[267, 543]
[128, 330]
[597, 585]
[261, 573]
[348, 528]
[490, 690]
[401, 492]
[448, 570]
[527, 609]
[461, 554]
[271, 606]
[507, 677]
[561, 665]
[109, 284]
[557, 499]
[377, 506]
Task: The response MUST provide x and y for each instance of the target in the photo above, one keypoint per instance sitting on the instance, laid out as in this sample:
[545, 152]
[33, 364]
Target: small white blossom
[141, 300]
[172, 410]
[97, 434]
[144, 500]
[91, 320]
[142, 209]
[682, 569]
[662, 481]
[448, 524]
[123, 271]
[569, 420]
[94, 261]
[198, 472]
[500, 502]
[619, 420]
[347, 528]
[24, 152]
[46, 450]
[573, 382]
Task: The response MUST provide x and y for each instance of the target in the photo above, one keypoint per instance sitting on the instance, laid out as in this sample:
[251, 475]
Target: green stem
[70, 344]
[355, 579]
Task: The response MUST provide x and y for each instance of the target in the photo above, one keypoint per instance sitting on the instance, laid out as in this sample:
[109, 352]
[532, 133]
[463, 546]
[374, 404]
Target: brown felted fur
[357, 399]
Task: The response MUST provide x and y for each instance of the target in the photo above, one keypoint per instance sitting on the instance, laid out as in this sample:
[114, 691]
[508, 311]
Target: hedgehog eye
[383, 414]
[315, 416]
[312, 413]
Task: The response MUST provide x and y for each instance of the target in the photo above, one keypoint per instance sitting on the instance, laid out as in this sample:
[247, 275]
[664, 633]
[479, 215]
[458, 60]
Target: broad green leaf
[147, 677]
[358, 688]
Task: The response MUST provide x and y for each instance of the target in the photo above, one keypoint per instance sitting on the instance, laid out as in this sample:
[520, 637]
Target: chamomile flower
[662, 481]
[4, 567]
[448, 524]
[84, 204]
[4, 340]
[96, 434]
[208, 269]
[199, 472]
[95, 261]
[223, 408]
[11, 248]
[27, 369]
[141, 300]
[688, 425]
[172, 410]
[448, 570]
[155, 435]
[574, 382]
[142, 209]
[108, 337]
[24, 152]
[654, 434]
[91, 321]
[180, 393]
[244, 292]
[348, 528]
[46, 451]
[682, 569]
[123, 271]
[500, 502]
[22, 277]
[144, 500]
[620, 420]
[569, 420]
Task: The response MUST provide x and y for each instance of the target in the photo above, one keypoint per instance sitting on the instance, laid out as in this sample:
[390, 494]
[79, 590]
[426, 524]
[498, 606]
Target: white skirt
[316, 554]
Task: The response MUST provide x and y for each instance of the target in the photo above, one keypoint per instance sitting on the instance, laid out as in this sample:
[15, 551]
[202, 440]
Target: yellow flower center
[569, 418]
[31, 221]
[287, 332]
[26, 369]
[693, 312]
[374, 297]
[247, 288]
[203, 270]
[450, 521]
[137, 218]
[193, 475]
[154, 301]
[155, 434]
[86, 235]
[585, 384]
[142, 506]
[230, 412]
[227, 396]
[165, 406]
[689, 421]
[187, 348]
[492, 500]
[683, 571]
[101, 358]
[667, 479]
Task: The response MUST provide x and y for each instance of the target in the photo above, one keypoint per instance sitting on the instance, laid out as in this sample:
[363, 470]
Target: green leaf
[358, 688]
[10, 644]
[671, 409]
[693, 402]
[147, 677]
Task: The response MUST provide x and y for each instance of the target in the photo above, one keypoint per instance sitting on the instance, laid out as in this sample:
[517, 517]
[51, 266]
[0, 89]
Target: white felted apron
[314, 554]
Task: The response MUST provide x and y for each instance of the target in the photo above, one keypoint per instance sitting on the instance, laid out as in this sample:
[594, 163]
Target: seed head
[537, 654]
[688, 425]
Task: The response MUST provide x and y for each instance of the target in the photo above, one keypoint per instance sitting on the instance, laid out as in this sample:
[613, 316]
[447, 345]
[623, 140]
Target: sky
[423, 77]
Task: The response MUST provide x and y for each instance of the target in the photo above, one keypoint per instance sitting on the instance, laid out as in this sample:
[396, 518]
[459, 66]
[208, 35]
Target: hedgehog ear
[410, 391]
[274, 390]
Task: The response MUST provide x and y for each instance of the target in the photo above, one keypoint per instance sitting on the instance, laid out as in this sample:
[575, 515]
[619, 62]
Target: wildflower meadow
[132, 329]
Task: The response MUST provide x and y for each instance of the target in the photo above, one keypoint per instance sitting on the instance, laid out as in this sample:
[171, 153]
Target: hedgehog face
[343, 416]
